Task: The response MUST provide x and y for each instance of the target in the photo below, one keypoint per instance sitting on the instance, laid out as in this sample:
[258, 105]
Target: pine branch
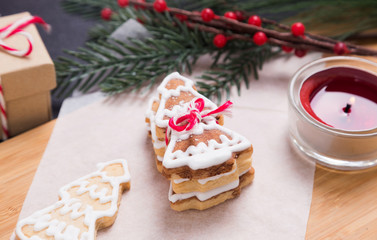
[351, 17]
[102, 31]
[175, 46]
[87, 8]
[234, 70]
[310, 42]
[116, 66]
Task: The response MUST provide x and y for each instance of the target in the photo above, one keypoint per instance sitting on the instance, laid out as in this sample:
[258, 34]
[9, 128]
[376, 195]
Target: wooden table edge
[20, 157]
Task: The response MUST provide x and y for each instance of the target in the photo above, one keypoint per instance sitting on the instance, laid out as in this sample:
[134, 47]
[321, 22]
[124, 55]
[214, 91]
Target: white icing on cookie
[167, 93]
[156, 119]
[202, 196]
[75, 208]
[205, 180]
[204, 155]
[181, 180]
[150, 113]
[244, 172]
[157, 144]
[214, 178]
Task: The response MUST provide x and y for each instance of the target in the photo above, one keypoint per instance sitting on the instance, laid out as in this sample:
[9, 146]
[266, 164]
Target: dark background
[68, 31]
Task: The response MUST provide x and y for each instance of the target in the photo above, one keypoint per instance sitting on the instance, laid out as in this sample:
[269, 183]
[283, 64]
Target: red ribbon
[188, 121]
[17, 28]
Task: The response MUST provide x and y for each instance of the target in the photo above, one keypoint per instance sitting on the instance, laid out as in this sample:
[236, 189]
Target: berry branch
[235, 43]
[175, 44]
[296, 38]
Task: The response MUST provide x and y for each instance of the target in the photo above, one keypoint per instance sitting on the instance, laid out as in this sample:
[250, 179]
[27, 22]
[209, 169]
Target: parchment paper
[275, 206]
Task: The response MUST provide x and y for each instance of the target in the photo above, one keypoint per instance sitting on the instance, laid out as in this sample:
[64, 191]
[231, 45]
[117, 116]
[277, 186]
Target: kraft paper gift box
[26, 81]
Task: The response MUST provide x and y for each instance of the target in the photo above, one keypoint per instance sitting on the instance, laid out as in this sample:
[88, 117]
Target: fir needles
[118, 66]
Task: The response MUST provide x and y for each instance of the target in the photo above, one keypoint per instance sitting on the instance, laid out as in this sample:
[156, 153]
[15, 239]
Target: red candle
[342, 97]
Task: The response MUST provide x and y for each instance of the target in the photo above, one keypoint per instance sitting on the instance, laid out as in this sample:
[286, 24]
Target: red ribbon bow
[17, 28]
[188, 121]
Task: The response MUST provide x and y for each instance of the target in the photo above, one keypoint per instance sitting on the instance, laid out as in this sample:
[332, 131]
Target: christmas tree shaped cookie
[205, 162]
[86, 205]
[174, 91]
[207, 166]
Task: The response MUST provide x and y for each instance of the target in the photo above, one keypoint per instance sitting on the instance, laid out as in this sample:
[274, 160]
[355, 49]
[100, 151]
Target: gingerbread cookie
[86, 205]
[202, 201]
[174, 91]
[206, 166]
[205, 162]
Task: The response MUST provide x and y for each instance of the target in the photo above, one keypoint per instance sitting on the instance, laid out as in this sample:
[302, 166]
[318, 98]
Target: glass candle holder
[320, 141]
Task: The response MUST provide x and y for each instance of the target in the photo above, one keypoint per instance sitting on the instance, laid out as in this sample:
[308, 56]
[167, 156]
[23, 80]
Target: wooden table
[344, 206]
[19, 159]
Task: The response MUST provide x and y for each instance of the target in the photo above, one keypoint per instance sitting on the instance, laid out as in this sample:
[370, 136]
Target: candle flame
[352, 100]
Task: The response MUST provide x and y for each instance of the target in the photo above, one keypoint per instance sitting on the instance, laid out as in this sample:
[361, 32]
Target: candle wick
[347, 109]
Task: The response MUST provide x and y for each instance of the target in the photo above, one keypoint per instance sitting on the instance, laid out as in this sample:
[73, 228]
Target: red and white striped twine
[3, 115]
[6, 32]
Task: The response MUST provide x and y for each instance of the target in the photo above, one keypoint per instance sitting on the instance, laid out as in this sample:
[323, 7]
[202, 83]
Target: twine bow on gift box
[194, 116]
[6, 32]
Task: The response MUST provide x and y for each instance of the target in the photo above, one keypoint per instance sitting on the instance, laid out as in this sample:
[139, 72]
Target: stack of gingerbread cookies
[205, 162]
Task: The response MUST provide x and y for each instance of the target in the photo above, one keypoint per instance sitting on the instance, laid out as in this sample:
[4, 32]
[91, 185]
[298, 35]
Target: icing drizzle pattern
[202, 196]
[199, 156]
[205, 180]
[215, 153]
[204, 155]
[162, 112]
[161, 117]
[74, 205]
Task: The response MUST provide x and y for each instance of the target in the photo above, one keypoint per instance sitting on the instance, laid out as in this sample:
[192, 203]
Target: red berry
[219, 40]
[340, 48]
[230, 15]
[300, 52]
[207, 14]
[160, 5]
[286, 49]
[123, 3]
[106, 14]
[139, 20]
[298, 29]
[137, 6]
[255, 20]
[240, 16]
[260, 38]
[181, 17]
